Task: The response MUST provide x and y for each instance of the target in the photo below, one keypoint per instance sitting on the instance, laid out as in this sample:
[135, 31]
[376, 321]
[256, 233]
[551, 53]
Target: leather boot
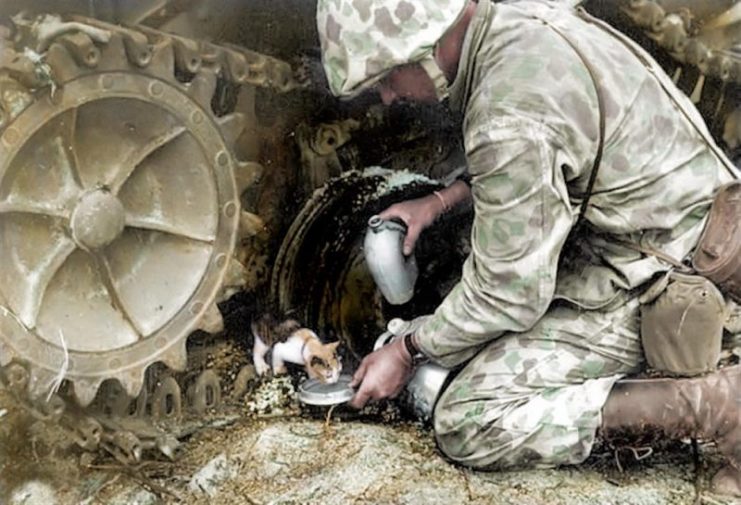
[707, 407]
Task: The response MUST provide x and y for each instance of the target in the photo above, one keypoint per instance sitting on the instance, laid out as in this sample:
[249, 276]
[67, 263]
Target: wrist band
[418, 357]
[446, 208]
[410, 345]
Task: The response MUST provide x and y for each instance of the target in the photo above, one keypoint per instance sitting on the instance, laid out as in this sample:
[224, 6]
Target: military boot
[707, 407]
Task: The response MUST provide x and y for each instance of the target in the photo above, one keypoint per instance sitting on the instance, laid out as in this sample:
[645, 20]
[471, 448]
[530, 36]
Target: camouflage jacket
[531, 135]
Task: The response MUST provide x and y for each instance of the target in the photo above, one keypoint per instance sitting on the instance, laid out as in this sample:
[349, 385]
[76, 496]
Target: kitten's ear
[333, 346]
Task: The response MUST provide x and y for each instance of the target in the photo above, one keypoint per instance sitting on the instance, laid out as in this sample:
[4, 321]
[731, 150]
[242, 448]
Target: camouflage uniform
[554, 323]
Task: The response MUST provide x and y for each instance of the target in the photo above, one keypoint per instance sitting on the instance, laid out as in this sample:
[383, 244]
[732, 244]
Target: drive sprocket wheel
[119, 210]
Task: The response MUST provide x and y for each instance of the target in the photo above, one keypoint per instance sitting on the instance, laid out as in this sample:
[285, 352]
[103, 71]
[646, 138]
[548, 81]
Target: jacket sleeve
[522, 218]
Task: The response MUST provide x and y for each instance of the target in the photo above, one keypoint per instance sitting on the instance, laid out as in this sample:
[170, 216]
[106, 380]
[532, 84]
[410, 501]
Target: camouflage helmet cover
[362, 40]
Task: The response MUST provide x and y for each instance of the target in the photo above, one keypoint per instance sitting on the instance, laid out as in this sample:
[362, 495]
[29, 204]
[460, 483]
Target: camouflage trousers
[535, 398]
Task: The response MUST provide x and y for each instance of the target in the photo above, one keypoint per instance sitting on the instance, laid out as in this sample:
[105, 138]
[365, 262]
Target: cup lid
[313, 392]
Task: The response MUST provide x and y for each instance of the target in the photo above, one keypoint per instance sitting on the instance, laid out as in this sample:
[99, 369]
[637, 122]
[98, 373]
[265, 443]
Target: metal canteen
[426, 384]
[393, 273]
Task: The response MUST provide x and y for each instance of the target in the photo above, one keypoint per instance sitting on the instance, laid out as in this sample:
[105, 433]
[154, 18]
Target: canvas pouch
[682, 318]
[718, 253]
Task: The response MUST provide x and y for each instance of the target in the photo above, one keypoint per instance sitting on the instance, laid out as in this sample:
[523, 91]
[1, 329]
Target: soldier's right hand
[417, 215]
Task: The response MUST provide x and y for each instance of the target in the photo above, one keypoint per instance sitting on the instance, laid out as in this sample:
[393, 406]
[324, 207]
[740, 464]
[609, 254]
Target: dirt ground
[294, 457]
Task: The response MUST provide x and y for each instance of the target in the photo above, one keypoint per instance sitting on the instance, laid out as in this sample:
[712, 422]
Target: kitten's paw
[280, 370]
[261, 368]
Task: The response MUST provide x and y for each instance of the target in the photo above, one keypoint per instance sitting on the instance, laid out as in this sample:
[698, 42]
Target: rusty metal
[119, 274]
[166, 400]
[704, 34]
[205, 393]
[124, 446]
[242, 381]
[86, 432]
[122, 252]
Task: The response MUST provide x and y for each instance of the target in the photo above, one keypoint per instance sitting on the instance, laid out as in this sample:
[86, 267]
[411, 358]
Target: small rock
[208, 479]
[33, 493]
[136, 497]
[3, 412]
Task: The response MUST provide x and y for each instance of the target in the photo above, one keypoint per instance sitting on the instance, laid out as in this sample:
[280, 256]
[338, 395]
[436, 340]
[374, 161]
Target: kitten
[292, 343]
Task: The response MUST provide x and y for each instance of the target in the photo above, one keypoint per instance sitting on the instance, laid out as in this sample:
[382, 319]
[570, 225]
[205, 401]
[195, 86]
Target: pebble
[208, 479]
[33, 493]
[136, 497]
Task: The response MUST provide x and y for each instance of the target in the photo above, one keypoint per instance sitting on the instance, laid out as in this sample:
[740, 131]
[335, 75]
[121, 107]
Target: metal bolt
[11, 136]
[230, 209]
[156, 88]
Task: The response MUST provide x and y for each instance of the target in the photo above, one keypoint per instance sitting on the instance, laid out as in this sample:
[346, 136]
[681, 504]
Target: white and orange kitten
[292, 343]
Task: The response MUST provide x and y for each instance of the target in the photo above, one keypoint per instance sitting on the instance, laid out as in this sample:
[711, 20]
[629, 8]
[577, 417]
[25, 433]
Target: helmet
[362, 40]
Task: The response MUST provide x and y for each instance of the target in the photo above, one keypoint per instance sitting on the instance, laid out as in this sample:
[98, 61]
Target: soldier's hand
[416, 214]
[382, 374]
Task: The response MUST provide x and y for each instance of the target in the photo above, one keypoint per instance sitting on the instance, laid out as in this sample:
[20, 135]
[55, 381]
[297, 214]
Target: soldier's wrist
[411, 345]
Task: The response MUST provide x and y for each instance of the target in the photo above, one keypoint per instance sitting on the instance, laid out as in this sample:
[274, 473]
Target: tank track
[41, 62]
[704, 40]
[694, 36]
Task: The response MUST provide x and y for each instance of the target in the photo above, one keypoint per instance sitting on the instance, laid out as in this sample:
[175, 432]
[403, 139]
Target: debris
[97, 484]
[3, 412]
[274, 396]
[394, 179]
[208, 478]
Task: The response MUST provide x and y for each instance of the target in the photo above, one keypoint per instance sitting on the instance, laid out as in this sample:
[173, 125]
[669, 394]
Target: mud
[293, 457]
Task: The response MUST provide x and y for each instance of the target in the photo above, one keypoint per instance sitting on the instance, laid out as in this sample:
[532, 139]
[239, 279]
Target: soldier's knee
[460, 436]
[449, 431]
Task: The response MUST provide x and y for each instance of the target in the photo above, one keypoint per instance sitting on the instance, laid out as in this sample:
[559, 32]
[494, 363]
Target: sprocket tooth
[250, 224]
[234, 280]
[246, 174]
[241, 384]
[176, 357]
[132, 382]
[113, 55]
[82, 49]
[40, 382]
[203, 87]
[232, 126]
[187, 56]
[162, 64]
[85, 391]
[212, 320]
[6, 354]
[138, 49]
[63, 66]
[235, 273]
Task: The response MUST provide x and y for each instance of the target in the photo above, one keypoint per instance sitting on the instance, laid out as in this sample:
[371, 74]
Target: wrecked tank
[165, 163]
